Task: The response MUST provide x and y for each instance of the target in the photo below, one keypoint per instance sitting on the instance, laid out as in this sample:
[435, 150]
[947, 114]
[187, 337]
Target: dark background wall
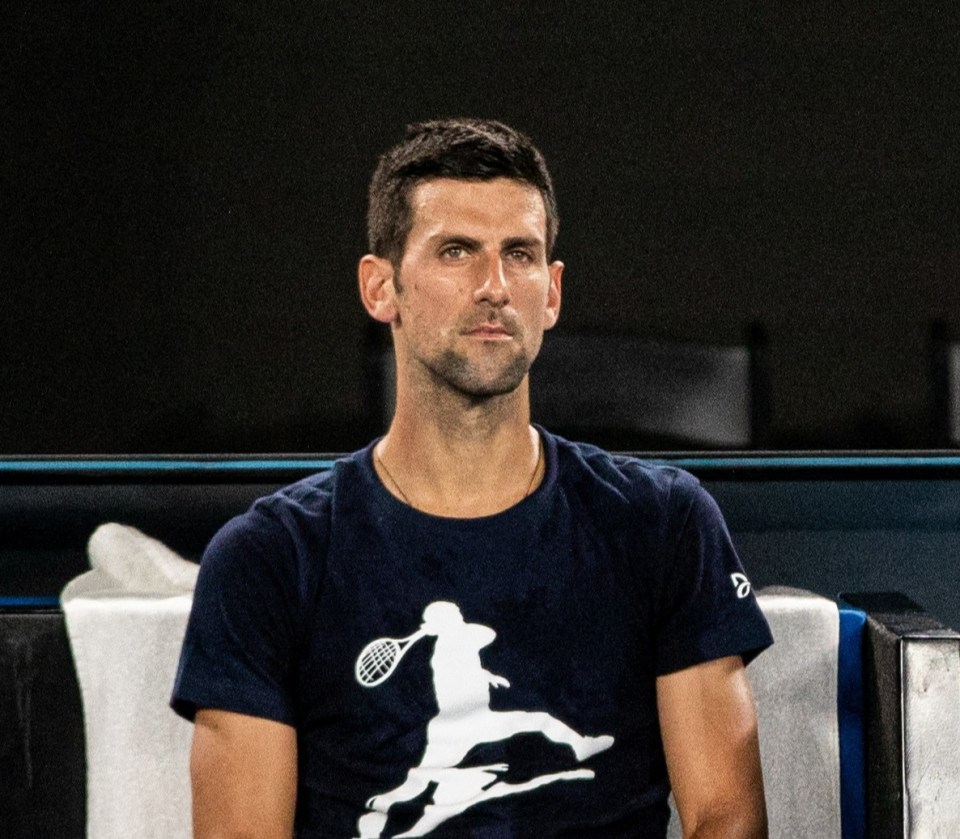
[183, 191]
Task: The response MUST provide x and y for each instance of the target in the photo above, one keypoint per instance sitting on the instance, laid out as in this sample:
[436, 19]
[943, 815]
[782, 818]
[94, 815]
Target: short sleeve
[239, 646]
[707, 608]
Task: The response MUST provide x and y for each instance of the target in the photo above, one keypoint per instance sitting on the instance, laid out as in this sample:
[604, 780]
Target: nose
[493, 287]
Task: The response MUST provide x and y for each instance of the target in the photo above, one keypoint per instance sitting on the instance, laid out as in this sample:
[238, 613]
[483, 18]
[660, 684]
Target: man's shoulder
[624, 474]
[313, 493]
[289, 527]
[304, 504]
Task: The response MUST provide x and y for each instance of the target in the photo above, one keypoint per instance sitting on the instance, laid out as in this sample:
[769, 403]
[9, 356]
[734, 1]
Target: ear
[375, 276]
[552, 311]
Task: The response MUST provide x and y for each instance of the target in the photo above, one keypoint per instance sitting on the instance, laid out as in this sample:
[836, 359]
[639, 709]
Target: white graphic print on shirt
[463, 721]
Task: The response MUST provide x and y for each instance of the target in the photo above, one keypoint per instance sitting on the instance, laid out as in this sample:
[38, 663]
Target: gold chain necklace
[403, 495]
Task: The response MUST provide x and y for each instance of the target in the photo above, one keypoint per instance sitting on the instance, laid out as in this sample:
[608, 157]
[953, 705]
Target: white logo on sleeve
[741, 584]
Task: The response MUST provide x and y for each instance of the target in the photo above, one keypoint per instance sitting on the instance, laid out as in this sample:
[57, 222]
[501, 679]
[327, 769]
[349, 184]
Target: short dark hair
[464, 149]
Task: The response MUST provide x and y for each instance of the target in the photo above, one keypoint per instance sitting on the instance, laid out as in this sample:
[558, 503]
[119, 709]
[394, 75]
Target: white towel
[125, 619]
[795, 687]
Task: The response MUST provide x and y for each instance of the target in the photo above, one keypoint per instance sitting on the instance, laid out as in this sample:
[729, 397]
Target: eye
[453, 252]
[520, 256]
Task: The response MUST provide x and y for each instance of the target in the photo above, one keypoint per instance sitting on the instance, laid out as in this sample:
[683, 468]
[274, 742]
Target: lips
[499, 328]
[490, 330]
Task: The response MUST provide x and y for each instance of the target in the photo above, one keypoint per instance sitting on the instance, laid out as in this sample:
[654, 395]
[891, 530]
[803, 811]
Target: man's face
[475, 291]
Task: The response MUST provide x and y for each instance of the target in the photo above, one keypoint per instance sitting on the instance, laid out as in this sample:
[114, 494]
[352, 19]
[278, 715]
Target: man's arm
[244, 775]
[709, 726]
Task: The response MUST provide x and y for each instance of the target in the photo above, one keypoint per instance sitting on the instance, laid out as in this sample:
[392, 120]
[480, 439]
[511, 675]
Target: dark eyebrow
[521, 242]
[455, 239]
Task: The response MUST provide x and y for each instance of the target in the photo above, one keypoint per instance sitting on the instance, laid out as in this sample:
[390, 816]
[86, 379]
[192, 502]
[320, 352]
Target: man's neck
[476, 463]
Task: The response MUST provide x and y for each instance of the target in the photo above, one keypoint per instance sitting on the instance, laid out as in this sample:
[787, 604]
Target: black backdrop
[183, 189]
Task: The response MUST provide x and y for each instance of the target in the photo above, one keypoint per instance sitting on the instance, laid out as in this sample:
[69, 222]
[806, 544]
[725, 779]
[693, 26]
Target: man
[471, 627]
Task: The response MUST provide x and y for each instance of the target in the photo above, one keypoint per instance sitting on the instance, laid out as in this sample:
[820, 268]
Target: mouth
[489, 331]
[491, 326]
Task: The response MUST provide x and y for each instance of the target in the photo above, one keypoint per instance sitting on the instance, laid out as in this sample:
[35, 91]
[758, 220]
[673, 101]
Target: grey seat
[625, 391]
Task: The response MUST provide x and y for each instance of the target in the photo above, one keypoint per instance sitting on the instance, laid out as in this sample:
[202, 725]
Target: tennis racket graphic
[380, 658]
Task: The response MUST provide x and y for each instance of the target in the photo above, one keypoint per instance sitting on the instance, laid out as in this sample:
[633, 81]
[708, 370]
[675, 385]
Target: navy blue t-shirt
[523, 703]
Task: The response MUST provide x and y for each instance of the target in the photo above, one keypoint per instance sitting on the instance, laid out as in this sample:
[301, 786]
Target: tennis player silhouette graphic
[463, 721]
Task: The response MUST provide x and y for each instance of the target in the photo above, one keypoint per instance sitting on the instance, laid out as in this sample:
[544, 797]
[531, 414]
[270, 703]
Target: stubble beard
[467, 377]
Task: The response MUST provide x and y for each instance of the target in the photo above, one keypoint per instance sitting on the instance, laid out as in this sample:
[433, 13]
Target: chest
[560, 613]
